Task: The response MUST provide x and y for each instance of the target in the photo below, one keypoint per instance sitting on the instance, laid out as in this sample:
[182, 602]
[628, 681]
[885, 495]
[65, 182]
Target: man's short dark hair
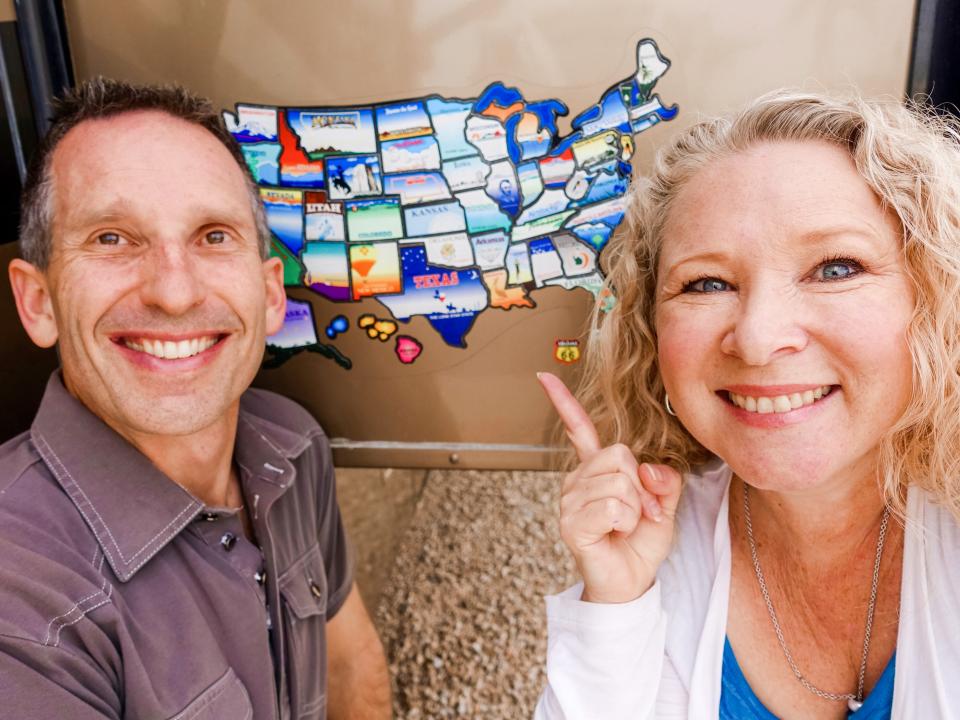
[103, 98]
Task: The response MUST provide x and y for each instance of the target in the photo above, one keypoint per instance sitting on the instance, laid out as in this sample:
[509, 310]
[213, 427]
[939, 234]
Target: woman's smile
[776, 406]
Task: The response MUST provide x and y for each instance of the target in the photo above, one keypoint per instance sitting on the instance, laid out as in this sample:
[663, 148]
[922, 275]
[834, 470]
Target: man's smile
[170, 352]
[171, 349]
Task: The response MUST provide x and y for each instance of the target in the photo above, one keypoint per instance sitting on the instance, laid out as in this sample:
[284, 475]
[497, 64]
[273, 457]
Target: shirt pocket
[225, 698]
[303, 588]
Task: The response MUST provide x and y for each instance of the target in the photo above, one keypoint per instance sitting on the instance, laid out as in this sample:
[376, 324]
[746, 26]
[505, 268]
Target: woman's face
[781, 276]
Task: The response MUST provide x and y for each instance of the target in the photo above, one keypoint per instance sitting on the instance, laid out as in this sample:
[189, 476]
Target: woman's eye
[837, 270]
[707, 285]
[109, 238]
[215, 237]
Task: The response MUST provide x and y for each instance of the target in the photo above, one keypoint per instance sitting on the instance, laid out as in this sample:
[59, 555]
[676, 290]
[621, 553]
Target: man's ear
[276, 297]
[34, 303]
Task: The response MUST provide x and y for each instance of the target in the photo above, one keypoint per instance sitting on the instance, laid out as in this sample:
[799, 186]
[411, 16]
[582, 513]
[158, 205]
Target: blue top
[738, 702]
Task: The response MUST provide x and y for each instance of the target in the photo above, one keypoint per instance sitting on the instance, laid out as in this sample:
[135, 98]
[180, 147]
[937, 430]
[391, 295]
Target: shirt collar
[133, 509]
[264, 447]
[263, 453]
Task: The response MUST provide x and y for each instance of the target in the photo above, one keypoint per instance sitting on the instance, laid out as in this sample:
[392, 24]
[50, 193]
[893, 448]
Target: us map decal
[440, 207]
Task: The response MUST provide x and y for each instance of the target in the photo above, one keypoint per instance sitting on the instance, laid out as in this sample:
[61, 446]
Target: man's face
[161, 300]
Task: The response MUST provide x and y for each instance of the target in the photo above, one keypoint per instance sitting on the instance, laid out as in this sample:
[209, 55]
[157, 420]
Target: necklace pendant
[854, 704]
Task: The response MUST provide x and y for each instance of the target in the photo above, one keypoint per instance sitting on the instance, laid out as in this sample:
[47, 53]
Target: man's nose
[171, 280]
[768, 325]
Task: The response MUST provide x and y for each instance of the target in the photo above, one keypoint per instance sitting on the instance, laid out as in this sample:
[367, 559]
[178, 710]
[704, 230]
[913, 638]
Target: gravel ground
[461, 616]
[377, 507]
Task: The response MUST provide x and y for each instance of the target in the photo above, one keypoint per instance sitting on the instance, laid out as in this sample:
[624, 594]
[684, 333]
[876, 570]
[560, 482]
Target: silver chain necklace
[854, 700]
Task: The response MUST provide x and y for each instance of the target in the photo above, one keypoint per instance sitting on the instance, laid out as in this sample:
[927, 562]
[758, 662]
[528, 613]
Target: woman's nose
[768, 325]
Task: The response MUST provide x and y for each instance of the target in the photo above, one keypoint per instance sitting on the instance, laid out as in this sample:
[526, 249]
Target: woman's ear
[34, 304]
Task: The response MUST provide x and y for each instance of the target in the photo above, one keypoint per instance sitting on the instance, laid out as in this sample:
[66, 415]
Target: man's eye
[215, 237]
[707, 285]
[109, 238]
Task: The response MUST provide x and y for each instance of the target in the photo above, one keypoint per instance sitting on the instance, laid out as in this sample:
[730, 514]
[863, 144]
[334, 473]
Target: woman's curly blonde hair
[910, 157]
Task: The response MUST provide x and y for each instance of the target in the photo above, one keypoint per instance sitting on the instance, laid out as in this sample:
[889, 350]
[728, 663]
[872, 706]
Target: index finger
[579, 428]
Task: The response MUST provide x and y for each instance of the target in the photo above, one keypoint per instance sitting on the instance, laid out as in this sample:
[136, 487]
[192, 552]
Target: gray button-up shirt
[123, 596]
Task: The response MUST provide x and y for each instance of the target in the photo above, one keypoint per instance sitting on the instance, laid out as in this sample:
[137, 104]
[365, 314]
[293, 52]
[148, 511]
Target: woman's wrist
[615, 596]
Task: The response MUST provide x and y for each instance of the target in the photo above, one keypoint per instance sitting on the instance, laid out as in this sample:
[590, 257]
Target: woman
[786, 336]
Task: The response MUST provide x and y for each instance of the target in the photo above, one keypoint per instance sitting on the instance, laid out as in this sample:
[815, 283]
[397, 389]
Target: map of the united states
[441, 207]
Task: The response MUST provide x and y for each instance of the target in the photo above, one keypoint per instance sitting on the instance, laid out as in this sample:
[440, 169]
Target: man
[170, 543]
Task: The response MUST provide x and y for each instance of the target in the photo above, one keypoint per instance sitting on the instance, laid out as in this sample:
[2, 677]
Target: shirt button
[228, 541]
[260, 576]
[315, 589]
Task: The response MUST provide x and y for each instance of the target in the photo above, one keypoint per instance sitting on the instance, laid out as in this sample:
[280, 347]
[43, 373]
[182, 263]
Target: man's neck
[201, 463]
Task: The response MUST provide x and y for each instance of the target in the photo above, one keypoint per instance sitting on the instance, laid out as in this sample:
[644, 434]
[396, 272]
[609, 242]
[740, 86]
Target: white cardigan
[660, 656]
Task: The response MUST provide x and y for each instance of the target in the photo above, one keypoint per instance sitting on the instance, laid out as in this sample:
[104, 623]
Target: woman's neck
[819, 526]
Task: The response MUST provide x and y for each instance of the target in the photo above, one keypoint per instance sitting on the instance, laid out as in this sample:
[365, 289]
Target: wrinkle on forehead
[110, 168]
[759, 194]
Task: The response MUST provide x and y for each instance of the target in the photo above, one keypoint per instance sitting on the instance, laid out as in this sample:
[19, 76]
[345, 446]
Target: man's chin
[159, 404]
[170, 416]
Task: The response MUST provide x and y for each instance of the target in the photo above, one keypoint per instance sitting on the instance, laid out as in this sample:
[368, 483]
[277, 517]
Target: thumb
[664, 482]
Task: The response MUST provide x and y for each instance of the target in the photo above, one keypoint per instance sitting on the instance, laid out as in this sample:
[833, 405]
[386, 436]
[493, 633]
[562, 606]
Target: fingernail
[539, 375]
[654, 475]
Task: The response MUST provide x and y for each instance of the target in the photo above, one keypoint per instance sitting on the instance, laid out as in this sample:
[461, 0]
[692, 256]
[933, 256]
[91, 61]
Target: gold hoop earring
[666, 402]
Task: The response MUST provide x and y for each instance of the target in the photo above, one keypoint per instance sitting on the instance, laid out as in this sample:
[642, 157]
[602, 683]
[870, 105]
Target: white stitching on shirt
[272, 447]
[55, 460]
[191, 506]
[61, 620]
[55, 463]
[307, 438]
[267, 440]
[104, 601]
[99, 591]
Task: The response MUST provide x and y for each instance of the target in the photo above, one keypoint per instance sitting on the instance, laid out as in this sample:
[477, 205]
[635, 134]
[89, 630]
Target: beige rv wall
[302, 51]
[308, 52]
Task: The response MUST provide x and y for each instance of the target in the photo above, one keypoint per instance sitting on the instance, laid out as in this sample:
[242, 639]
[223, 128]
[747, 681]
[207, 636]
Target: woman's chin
[780, 474]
